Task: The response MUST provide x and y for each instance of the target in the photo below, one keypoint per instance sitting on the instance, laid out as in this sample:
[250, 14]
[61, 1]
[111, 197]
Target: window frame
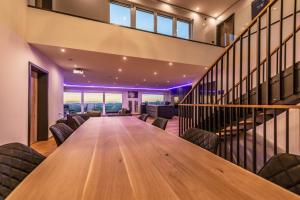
[122, 5]
[159, 14]
[190, 30]
[146, 11]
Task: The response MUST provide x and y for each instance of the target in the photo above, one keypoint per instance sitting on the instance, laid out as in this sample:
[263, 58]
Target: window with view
[93, 102]
[145, 20]
[120, 14]
[113, 102]
[72, 102]
[164, 25]
[183, 29]
[153, 99]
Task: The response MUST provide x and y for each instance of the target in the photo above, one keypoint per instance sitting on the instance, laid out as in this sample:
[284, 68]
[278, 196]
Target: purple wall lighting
[124, 88]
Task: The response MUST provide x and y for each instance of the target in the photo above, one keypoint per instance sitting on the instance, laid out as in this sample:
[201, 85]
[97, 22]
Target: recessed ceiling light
[184, 75]
[206, 68]
[62, 50]
[83, 75]
[120, 70]
[197, 9]
[75, 65]
[155, 73]
[145, 80]
[170, 64]
[124, 58]
[78, 71]
[117, 78]
[168, 81]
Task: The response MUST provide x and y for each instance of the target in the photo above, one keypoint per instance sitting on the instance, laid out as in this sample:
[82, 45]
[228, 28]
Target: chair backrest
[202, 138]
[160, 123]
[16, 162]
[283, 170]
[144, 117]
[60, 132]
[78, 120]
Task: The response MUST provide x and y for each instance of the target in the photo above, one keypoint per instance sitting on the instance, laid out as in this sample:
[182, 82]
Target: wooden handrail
[243, 106]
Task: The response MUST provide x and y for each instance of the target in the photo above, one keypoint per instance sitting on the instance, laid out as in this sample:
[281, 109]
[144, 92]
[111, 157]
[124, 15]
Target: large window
[93, 102]
[145, 20]
[164, 25]
[183, 29]
[72, 102]
[113, 102]
[153, 99]
[120, 14]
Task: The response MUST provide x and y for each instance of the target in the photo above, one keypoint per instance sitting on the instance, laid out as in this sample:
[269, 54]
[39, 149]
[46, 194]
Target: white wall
[15, 54]
[204, 28]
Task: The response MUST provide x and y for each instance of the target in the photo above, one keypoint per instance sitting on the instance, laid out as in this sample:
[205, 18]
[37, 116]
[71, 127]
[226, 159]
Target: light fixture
[83, 76]
[78, 71]
[206, 68]
[145, 80]
[170, 64]
[75, 66]
[120, 70]
[117, 78]
[168, 81]
[155, 73]
[124, 58]
[184, 75]
[62, 50]
[125, 88]
[197, 9]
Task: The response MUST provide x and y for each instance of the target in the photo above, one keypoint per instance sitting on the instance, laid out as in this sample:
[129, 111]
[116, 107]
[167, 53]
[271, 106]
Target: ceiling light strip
[124, 88]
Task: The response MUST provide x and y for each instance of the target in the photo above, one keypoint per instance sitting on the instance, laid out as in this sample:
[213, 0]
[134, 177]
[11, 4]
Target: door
[225, 32]
[34, 106]
[37, 104]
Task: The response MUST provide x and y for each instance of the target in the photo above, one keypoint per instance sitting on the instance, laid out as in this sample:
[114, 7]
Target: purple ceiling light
[124, 88]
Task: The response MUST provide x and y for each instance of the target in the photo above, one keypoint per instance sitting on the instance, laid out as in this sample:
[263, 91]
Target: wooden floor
[47, 147]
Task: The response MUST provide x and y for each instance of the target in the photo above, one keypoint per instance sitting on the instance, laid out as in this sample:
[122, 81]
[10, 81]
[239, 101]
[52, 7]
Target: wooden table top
[125, 158]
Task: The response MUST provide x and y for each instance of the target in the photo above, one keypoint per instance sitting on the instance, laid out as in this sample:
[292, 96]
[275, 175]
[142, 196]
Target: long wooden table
[125, 158]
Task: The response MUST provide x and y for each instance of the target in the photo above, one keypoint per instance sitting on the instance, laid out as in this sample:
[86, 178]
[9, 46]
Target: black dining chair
[60, 132]
[17, 161]
[283, 170]
[78, 120]
[160, 123]
[144, 117]
[202, 138]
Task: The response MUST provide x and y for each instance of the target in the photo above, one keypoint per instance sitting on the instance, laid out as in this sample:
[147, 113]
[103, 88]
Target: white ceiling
[102, 69]
[210, 7]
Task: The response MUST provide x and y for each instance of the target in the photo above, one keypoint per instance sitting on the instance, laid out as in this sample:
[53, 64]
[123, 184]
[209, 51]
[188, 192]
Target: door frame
[43, 98]
[219, 27]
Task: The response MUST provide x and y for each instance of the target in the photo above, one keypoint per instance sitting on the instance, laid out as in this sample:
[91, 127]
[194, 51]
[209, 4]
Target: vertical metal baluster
[294, 46]
[238, 135]
[280, 48]
[231, 135]
[254, 140]
[225, 133]
[245, 138]
[258, 99]
[207, 121]
[268, 59]
[265, 135]
[275, 132]
[287, 131]
[248, 66]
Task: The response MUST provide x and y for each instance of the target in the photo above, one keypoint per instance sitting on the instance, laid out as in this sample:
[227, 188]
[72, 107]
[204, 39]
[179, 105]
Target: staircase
[253, 83]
